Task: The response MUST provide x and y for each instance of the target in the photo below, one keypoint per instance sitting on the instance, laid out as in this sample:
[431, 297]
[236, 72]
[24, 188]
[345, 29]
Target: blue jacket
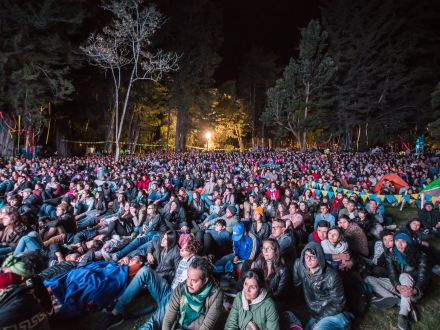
[248, 248]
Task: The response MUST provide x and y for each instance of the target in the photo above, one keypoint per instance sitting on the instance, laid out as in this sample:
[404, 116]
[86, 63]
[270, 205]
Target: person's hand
[124, 261]
[425, 244]
[236, 259]
[313, 326]
[97, 215]
[434, 228]
[403, 290]
[438, 226]
[346, 264]
[241, 206]
[150, 258]
[173, 207]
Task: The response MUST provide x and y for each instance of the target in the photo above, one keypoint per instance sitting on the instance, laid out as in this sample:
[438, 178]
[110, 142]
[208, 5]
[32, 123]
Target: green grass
[376, 319]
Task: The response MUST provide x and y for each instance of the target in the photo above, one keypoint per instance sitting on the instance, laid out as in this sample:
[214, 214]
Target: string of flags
[330, 191]
[102, 142]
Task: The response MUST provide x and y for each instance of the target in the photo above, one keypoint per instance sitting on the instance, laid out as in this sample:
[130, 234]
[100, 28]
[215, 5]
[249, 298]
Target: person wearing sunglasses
[323, 290]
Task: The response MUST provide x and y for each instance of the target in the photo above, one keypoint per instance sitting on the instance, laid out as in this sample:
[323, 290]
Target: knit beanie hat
[16, 266]
[232, 209]
[404, 237]
[260, 210]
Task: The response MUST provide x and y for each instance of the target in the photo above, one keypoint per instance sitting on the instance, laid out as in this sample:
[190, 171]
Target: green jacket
[264, 314]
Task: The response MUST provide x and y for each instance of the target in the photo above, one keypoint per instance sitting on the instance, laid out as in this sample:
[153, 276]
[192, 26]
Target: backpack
[356, 295]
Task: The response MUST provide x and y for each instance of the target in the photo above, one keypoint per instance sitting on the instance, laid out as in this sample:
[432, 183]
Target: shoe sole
[106, 256]
[232, 295]
[116, 324]
[385, 302]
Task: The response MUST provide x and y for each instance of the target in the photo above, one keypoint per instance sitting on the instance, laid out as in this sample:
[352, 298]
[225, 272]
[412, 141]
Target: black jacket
[418, 273]
[323, 290]
[66, 221]
[278, 284]
[166, 265]
[155, 224]
[429, 219]
[175, 220]
[188, 184]
[264, 232]
[58, 269]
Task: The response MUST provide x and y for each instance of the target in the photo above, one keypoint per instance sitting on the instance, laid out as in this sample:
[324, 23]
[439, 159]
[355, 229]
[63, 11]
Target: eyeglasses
[310, 257]
[267, 249]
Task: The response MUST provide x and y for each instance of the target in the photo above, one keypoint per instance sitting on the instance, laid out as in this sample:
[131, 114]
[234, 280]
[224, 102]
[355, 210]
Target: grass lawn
[376, 319]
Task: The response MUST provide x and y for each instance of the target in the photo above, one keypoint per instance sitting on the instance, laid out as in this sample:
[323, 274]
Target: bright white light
[208, 135]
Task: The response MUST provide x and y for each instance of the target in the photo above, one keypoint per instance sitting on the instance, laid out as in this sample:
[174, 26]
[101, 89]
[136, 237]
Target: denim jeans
[208, 201]
[436, 233]
[30, 242]
[335, 322]
[47, 210]
[212, 216]
[137, 243]
[155, 321]
[5, 250]
[157, 285]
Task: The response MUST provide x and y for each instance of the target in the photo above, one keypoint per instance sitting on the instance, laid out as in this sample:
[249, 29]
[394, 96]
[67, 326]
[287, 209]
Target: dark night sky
[271, 25]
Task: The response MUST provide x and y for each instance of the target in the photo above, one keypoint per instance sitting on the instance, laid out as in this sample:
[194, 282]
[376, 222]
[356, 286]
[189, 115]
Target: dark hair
[282, 221]
[323, 223]
[171, 238]
[344, 216]
[339, 230]
[204, 265]
[323, 204]
[257, 275]
[16, 198]
[222, 222]
[193, 245]
[97, 245]
[412, 255]
[33, 262]
[386, 232]
[277, 261]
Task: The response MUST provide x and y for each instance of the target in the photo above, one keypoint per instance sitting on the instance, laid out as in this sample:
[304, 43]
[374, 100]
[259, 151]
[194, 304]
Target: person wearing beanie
[259, 226]
[408, 277]
[230, 217]
[14, 265]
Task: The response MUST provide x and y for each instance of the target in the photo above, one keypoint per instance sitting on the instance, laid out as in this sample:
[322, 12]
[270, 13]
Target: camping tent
[432, 189]
[394, 179]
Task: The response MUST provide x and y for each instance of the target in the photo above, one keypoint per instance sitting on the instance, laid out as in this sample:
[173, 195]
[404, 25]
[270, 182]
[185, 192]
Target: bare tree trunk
[62, 146]
[130, 126]
[262, 135]
[307, 92]
[168, 128]
[178, 130]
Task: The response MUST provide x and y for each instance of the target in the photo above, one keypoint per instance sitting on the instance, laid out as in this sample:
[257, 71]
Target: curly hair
[194, 245]
[412, 255]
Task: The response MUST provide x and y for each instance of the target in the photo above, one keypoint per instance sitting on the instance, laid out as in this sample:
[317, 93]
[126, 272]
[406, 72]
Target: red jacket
[277, 194]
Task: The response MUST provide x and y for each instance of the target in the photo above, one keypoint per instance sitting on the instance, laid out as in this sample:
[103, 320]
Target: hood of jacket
[319, 252]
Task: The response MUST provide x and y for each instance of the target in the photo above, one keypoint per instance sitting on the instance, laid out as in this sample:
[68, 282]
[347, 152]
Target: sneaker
[232, 292]
[413, 313]
[426, 232]
[226, 304]
[436, 271]
[293, 320]
[110, 322]
[107, 256]
[390, 227]
[384, 302]
[402, 322]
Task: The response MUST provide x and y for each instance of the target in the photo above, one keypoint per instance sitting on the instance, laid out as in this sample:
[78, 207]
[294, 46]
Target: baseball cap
[237, 231]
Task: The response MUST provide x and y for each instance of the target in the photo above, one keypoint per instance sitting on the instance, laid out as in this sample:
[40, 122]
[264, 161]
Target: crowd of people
[203, 232]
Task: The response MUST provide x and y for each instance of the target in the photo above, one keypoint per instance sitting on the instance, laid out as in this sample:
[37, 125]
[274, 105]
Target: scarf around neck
[400, 257]
[256, 301]
[330, 249]
[191, 306]
[316, 237]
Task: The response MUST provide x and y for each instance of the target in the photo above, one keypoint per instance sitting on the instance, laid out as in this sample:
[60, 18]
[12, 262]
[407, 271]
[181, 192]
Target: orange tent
[394, 179]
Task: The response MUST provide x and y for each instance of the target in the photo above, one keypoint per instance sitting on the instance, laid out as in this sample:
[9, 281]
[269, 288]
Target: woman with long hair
[413, 228]
[123, 225]
[14, 228]
[253, 308]
[336, 249]
[259, 225]
[408, 274]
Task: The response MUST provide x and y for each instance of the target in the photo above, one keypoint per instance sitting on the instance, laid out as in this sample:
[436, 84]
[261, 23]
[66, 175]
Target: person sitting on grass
[413, 229]
[323, 290]
[253, 308]
[230, 217]
[408, 276]
[430, 219]
[217, 242]
[159, 285]
[197, 302]
[285, 240]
